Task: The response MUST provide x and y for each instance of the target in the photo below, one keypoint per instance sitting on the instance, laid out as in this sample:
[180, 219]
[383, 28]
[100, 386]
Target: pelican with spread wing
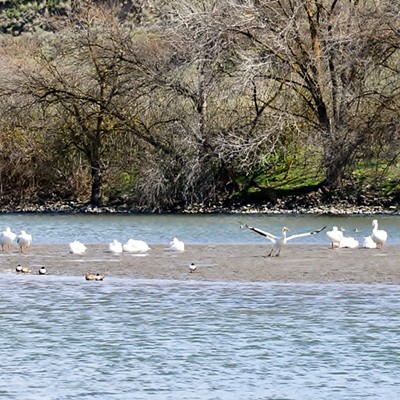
[280, 241]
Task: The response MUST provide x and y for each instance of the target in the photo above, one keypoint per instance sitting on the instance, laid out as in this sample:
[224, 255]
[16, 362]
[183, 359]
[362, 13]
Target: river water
[160, 229]
[64, 338]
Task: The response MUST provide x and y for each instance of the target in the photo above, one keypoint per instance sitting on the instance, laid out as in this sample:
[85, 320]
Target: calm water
[65, 338]
[160, 229]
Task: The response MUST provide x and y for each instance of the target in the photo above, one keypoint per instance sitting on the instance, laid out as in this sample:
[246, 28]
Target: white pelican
[76, 247]
[24, 240]
[6, 239]
[279, 242]
[42, 271]
[177, 245]
[115, 247]
[349, 242]
[335, 236]
[379, 236]
[368, 243]
[135, 246]
[192, 267]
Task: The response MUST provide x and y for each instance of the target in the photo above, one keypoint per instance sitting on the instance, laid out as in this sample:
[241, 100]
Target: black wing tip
[319, 230]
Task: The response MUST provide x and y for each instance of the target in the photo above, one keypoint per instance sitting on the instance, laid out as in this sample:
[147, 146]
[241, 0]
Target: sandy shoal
[297, 263]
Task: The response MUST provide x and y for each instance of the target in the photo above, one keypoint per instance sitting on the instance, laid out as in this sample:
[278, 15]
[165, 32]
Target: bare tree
[334, 66]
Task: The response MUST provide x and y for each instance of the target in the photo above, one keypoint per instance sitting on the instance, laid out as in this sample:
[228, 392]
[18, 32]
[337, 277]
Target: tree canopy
[168, 103]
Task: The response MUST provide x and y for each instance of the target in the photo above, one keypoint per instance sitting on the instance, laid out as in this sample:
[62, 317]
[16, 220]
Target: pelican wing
[269, 236]
[305, 234]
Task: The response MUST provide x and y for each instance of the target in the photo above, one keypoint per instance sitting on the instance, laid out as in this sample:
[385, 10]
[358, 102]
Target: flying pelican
[335, 236]
[6, 239]
[379, 236]
[177, 245]
[24, 240]
[115, 246]
[135, 246]
[76, 247]
[279, 242]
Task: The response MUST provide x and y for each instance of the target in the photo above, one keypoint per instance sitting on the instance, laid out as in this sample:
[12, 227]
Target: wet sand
[308, 263]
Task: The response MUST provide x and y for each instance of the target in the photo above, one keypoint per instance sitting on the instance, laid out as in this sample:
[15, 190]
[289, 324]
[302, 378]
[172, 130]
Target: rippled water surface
[65, 338]
[215, 228]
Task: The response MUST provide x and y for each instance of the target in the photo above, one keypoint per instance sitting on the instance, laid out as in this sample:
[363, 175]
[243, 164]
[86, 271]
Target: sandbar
[242, 263]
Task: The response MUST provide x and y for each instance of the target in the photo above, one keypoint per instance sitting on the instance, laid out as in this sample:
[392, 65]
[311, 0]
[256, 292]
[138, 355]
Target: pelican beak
[286, 229]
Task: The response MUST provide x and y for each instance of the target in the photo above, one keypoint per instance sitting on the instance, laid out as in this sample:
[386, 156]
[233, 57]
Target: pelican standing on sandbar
[24, 240]
[379, 236]
[279, 242]
[6, 239]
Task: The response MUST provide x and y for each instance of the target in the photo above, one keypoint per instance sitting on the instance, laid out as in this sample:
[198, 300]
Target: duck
[24, 240]
[115, 247]
[379, 236]
[76, 247]
[42, 271]
[177, 245]
[192, 267]
[135, 246]
[99, 277]
[6, 239]
[18, 268]
[26, 270]
[90, 277]
[335, 236]
[280, 241]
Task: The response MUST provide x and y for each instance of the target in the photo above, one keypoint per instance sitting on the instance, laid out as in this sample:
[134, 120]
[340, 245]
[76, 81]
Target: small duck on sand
[99, 277]
[90, 277]
[42, 271]
[25, 270]
[18, 268]
[192, 267]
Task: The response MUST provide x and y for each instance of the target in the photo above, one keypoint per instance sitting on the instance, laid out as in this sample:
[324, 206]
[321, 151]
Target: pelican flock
[280, 241]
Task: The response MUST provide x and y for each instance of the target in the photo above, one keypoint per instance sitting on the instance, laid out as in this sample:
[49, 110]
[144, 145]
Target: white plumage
[135, 246]
[76, 247]
[176, 245]
[279, 242]
[349, 242]
[379, 236]
[6, 239]
[24, 240]
[115, 247]
[335, 236]
[368, 243]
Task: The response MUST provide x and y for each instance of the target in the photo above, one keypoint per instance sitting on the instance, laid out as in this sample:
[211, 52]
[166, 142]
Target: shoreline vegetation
[73, 207]
[215, 263]
[175, 106]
